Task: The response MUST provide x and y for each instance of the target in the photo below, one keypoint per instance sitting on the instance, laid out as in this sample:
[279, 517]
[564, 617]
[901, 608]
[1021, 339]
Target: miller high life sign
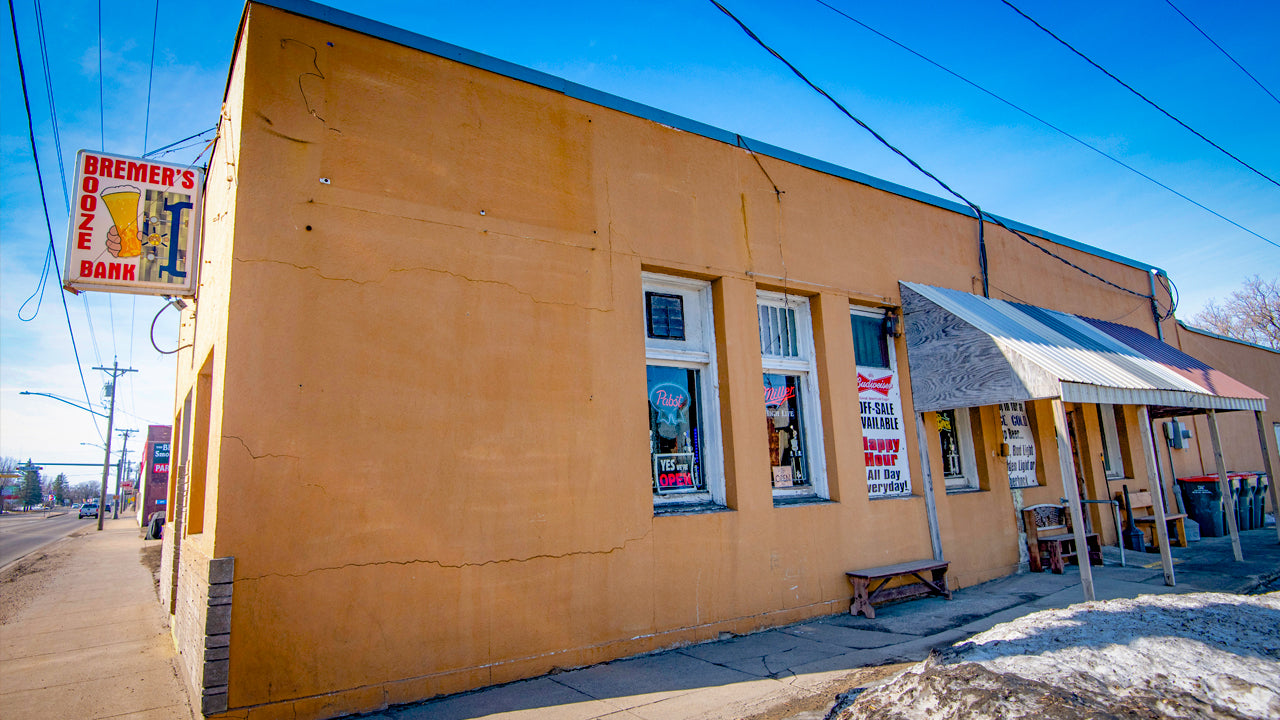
[135, 226]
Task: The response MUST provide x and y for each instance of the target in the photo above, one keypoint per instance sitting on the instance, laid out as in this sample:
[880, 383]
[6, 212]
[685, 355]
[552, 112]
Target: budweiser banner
[884, 441]
[1022, 446]
[135, 226]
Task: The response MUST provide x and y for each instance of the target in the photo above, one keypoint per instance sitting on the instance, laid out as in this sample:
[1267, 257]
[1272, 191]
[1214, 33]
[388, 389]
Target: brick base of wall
[202, 626]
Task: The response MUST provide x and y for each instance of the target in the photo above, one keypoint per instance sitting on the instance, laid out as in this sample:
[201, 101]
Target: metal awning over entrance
[968, 351]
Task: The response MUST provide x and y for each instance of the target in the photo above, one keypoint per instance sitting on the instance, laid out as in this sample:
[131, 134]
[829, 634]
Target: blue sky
[689, 59]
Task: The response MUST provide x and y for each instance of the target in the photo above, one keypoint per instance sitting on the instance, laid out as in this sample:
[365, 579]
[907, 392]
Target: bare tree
[1251, 313]
[9, 478]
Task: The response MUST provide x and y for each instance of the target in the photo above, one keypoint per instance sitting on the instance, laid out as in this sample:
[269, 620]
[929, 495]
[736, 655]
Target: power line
[53, 109]
[35, 156]
[1042, 121]
[1150, 102]
[102, 104]
[151, 73]
[978, 212]
[1223, 51]
[161, 150]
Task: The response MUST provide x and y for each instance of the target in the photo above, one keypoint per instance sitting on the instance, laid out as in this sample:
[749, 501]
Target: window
[959, 466]
[884, 439]
[666, 315]
[1112, 460]
[790, 394]
[870, 344]
[685, 461]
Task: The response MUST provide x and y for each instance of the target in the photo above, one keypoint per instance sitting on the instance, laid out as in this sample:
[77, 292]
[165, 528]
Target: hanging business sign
[884, 441]
[135, 226]
[1016, 428]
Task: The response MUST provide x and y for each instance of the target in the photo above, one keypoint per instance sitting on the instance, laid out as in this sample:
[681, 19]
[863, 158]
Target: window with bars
[778, 332]
[791, 415]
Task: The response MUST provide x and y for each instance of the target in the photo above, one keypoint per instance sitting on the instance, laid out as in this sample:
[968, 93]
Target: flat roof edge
[400, 36]
[1228, 338]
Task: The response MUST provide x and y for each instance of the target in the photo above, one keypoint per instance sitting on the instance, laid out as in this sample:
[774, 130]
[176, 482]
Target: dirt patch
[27, 578]
[821, 701]
[149, 556]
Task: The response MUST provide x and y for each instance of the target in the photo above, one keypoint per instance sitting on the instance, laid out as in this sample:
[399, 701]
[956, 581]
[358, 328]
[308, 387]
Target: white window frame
[806, 368]
[968, 458]
[1111, 454]
[696, 352]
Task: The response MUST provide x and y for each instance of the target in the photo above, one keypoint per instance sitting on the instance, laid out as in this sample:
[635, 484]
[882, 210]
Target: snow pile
[1204, 655]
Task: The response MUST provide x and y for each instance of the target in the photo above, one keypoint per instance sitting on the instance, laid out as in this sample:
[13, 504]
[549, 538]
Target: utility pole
[116, 371]
[124, 453]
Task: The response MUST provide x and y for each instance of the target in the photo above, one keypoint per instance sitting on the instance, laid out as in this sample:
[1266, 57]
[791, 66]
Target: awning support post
[930, 503]
[1224, 486]
[1072, 493]
[1157, 493]
[1266, 464]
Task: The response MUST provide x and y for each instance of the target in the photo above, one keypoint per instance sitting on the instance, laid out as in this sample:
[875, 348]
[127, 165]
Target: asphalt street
[20, 533]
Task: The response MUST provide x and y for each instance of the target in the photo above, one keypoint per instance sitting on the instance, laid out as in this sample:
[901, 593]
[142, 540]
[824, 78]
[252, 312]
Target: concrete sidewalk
[87, 637]
[90, 641]
[797, 671]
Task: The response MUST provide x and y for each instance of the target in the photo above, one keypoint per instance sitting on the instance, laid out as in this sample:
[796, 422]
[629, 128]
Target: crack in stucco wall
[258, 457]
[424, 268]
[451, 566]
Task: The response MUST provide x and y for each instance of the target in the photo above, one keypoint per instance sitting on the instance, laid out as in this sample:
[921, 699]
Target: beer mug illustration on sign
[122, 203]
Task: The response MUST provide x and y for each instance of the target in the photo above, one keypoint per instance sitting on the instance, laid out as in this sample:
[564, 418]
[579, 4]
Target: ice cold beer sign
[1016, 428]
[135, 226]
[884, 442]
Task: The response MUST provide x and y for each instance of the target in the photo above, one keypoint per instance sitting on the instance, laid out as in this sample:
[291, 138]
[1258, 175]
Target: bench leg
[1179, 533]
[1095, 551]
[860, 602]
[1034, 556]
[1055, 558]
[940, 582]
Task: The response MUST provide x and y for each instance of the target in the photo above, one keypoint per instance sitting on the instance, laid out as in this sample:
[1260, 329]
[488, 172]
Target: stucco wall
[421, 324]
[1256, 367]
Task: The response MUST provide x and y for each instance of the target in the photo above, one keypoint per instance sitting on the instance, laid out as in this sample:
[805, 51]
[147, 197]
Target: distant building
[153, 473]
[490, 374]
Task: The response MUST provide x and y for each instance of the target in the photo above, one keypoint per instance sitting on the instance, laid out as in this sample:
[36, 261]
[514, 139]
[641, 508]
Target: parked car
[88, 510]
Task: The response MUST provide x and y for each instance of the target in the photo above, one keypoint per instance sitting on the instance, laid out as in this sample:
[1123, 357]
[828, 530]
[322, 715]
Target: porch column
[1070, 489]
[930, 502]
[1227, 502]
[1157, 493]
[1266, 464]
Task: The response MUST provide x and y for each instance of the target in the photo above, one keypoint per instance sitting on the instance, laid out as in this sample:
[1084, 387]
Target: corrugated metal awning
[964, 351]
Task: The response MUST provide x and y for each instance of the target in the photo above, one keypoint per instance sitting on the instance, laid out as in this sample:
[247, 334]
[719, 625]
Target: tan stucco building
[472, 385]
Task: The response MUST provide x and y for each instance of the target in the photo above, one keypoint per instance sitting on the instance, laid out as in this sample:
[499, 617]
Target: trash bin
[1203, 499]
[1260, 506]
[1255, 499]
[155, 526]
[1240, 496]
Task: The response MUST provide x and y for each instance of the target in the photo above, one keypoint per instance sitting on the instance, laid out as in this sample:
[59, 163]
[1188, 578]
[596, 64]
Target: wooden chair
[1050, 539]
[1146, 520]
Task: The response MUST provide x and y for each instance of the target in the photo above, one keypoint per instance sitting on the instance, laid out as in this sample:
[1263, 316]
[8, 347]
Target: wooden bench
[936, 584]
[1051, 540]
[1146, 521]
